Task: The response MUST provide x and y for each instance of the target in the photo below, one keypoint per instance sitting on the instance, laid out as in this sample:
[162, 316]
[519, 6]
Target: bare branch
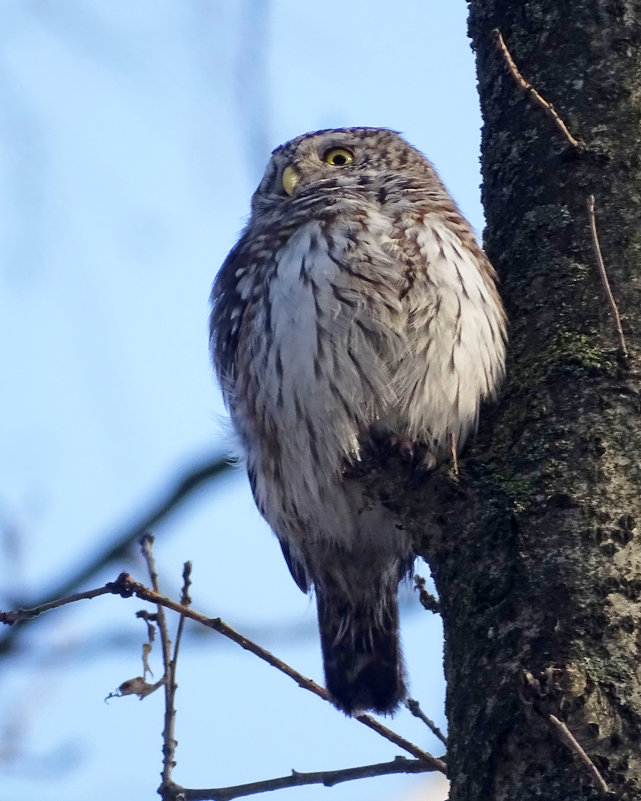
[168, 739]
[567, 738]
[167, 786]
[531, 91]
[185, 600]
[326, 777]
[146, 546]
[28, 614]
[144, 593]
[130, 586]
[604, 276]
[415, 708]
[533, 693]
[126, 586]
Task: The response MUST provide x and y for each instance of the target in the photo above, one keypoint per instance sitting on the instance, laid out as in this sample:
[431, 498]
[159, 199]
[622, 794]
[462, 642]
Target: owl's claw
[423, 464]
[403, 446]
[387, 444]
[414, 453]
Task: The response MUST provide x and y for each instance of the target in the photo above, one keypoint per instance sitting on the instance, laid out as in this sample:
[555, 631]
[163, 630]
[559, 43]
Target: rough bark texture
[536, 549]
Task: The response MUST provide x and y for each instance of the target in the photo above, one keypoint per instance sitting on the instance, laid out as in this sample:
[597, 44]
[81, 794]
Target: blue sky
[131, 138]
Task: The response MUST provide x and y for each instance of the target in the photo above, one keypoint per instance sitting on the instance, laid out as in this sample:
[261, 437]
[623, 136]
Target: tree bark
[535, 548]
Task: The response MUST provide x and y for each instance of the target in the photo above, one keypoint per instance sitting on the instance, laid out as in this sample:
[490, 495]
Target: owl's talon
[403, 446]
[388, 444]
[348, 469]
[426, 463]
[414, 453]
[423, 464]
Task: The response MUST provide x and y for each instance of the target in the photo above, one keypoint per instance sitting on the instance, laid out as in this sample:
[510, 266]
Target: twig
[185, 600]
[18, 615]
[415, 708]
[168, 740]
[326, 777]
[551, 111]
[535, 692]
[146, 544]
[428, 601]
[567, 738]
[531, 91]
[604, 276]
[126, 586]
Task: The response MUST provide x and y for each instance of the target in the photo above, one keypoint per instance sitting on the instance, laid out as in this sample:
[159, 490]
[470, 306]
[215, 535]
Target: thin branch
[167, 786]
[568, 739]
[185, 600]
[147, 544]
[531, 91]
[168, 740]
[126, 586]
[533, 693]
[604, 276]
[18, 615]
[415, 708]
[326, 777]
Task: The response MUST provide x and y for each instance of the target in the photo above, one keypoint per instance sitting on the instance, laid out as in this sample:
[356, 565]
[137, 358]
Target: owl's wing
[296, 567]
[227, 308]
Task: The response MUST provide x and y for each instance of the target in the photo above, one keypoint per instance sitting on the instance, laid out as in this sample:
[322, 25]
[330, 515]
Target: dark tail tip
[361, 654]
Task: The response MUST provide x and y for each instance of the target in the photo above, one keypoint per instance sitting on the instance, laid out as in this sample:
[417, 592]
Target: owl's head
[322, 162]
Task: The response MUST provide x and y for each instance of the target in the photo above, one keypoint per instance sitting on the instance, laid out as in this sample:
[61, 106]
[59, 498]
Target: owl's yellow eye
[338, 157]
[289, 179]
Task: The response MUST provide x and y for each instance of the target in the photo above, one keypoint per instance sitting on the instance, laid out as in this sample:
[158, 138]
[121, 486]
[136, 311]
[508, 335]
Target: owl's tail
[361, 651]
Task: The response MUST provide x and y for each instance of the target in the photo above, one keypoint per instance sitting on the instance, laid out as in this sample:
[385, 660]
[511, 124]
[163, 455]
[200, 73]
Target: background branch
[123, 540]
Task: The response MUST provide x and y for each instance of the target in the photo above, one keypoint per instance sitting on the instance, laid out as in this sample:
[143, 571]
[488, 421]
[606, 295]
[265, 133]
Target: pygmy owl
[357, 304]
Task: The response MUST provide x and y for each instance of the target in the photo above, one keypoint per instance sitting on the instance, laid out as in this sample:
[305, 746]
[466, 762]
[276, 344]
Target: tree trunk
[543, 578]
[536, 549]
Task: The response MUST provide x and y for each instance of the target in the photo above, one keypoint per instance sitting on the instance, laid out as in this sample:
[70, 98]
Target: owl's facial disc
[289, 179]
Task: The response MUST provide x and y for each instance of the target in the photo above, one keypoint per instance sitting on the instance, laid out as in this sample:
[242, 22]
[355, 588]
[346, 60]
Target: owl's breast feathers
[351, 310]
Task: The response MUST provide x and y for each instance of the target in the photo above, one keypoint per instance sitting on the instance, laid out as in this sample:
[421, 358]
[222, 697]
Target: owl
[356, 308]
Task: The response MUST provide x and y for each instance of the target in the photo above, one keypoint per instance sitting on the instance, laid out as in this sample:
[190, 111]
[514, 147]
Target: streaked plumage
[359, 303]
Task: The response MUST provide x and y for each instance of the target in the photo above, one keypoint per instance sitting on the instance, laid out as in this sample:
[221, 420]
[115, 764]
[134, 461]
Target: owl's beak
[290, 179]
